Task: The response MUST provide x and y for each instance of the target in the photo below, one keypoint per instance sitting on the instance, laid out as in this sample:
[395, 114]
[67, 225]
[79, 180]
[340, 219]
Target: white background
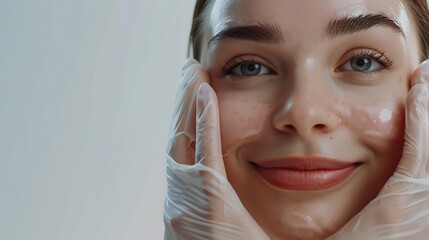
[86, 95]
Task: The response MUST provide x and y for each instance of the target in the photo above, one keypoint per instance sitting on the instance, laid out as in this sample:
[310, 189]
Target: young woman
[304, 118]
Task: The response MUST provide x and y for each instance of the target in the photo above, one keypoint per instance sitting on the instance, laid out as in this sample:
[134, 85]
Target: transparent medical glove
[200, 202]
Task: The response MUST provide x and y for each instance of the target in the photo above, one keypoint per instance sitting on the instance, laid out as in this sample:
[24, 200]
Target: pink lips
[309, 173]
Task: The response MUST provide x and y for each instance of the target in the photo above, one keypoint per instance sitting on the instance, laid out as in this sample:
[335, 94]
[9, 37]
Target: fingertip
[203, 91]
[189, 62]
[194, 75]
[194, 70]
[421, 74]
[426, 61]
[203, 88]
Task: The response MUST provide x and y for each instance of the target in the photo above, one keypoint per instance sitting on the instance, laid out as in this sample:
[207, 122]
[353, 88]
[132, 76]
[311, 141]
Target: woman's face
[311, 97]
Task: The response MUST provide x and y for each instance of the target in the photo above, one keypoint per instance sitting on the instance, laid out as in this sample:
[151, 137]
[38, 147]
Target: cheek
[375, 122]
[241, 120]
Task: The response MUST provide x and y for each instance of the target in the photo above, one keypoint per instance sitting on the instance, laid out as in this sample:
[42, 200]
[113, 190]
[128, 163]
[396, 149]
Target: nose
[310, 107]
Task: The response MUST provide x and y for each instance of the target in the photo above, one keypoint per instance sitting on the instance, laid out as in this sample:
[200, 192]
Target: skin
[309, 103]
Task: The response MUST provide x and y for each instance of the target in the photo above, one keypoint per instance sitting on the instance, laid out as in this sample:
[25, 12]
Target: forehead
[301, 16]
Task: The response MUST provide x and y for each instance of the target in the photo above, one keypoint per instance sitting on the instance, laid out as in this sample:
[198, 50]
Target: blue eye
[362, 64]
[249, 69]
[366, 61]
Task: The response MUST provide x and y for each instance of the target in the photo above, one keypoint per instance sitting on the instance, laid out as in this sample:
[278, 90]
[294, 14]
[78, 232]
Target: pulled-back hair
[419, 10]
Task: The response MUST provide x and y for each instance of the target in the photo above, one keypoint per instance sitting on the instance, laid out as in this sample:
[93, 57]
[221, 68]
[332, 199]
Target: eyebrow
[352, 24]
[263, 32]
[271, 33]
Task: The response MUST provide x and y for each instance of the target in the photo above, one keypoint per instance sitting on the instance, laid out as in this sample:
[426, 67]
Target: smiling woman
[311, 107]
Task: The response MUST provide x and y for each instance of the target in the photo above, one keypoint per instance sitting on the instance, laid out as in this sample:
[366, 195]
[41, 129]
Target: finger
[208, 153]
[188, 63]
[208, 149]
[421, 75]
[182, 133]
[188, 73]
[414, 161]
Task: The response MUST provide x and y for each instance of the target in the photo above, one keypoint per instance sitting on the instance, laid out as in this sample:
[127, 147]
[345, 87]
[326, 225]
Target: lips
[304, 173]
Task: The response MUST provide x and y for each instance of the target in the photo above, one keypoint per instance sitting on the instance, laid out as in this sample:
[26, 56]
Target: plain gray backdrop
[87, 91]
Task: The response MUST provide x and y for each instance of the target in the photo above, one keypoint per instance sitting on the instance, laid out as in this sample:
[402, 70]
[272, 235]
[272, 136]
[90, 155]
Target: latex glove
[200, 203]
[401, 210]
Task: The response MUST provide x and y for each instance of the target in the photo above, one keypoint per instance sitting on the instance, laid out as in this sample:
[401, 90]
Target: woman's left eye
[361, 64]
[248, 69]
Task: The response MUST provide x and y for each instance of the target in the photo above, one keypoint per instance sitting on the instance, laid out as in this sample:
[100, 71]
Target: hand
[401, 210]
[200, 203]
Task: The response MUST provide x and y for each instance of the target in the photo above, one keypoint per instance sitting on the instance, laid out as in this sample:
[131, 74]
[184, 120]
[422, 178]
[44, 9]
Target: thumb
[208, 144]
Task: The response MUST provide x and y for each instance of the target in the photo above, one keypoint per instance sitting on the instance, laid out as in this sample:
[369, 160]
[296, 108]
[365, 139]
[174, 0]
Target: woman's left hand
[401, 210]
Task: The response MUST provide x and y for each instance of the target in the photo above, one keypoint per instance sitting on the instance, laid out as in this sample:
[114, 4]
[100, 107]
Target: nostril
[290, 127]
[319, 126]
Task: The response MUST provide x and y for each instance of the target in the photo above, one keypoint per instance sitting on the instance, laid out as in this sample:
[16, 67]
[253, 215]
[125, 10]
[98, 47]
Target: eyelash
[229, 66]
[380, 57]
[384, 61]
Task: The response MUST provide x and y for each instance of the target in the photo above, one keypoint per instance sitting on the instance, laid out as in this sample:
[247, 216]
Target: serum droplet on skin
[385, 115]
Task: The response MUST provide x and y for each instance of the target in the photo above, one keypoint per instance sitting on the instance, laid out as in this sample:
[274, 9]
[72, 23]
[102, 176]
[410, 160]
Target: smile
[309, 173]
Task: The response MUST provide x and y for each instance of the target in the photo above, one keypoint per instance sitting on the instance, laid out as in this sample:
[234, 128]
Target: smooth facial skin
[311, 93]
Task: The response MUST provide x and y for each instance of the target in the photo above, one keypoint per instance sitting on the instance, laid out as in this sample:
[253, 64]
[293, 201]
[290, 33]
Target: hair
[201, 12]
[419, 9]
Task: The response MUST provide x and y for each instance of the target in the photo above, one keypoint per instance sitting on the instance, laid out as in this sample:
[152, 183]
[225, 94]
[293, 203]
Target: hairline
[415, 15]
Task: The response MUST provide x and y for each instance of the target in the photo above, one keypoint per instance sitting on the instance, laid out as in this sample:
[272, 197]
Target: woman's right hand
[200, 202]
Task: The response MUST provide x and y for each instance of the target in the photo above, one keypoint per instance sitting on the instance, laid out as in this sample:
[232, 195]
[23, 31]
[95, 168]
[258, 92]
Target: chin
[302, 229]
[307, 215]
[303, 234]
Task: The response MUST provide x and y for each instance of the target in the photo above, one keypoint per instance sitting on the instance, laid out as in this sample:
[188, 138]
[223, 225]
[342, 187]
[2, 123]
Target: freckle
[250, 119]
[270, 105]
[241, 119]
[235, 112]
[330, 137]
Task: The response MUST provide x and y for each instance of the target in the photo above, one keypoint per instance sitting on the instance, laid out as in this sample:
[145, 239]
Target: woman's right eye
[245, 67]
[250, 69]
